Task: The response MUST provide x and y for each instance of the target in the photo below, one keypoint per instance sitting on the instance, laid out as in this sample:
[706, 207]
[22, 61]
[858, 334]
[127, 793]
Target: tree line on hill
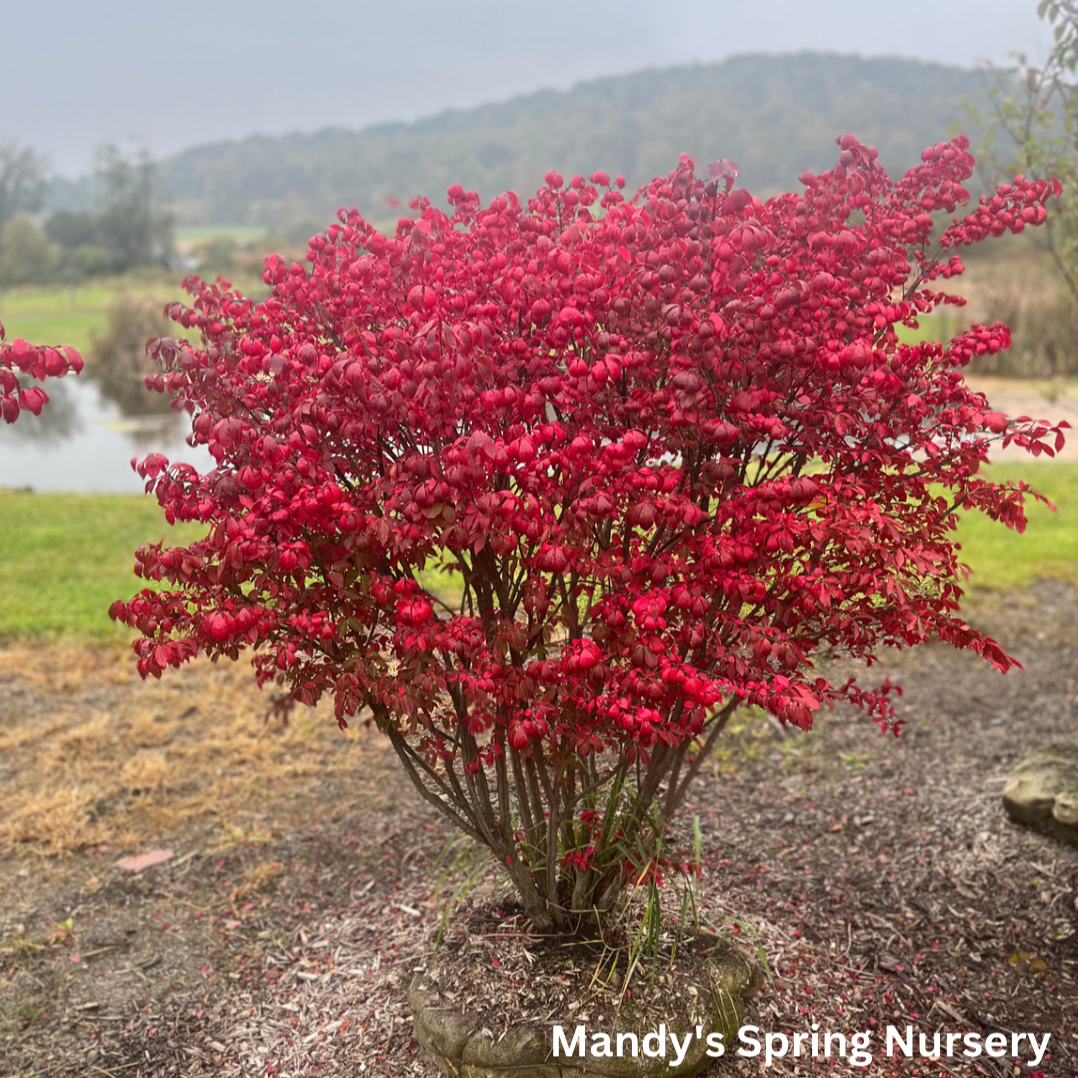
[774, 115]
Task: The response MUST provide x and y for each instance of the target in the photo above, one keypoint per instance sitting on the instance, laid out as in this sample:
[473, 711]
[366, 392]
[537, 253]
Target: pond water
[85, 437]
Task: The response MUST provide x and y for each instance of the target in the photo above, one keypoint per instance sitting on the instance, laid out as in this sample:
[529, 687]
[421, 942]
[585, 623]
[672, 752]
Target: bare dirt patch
[885, 882]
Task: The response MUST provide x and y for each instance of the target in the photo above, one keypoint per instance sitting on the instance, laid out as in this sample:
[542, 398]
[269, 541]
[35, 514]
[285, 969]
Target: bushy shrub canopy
[671, 451]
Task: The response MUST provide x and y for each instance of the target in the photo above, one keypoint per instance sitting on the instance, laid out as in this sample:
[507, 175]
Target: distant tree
[69, 230]
[298, 232]
[134, 228]
[1032, 129]
[87, 261]
[25, 254]
[218, 254]
[78, 237]
[774, 115]
[23, 181]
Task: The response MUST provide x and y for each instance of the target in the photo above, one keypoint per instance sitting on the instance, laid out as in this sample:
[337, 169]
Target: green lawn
[66, 557]
[75, 328]
[1048, 549]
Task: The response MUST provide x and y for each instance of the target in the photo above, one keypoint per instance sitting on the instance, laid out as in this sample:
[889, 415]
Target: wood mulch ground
[881, 876]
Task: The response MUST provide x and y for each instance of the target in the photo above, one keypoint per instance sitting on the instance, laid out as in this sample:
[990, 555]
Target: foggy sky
[77, 73]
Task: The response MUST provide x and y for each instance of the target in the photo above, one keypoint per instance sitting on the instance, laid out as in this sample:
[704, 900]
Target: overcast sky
[77, 73]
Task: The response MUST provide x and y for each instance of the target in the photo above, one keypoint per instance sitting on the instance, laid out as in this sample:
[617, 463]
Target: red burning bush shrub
[37, 362]
[671, 449]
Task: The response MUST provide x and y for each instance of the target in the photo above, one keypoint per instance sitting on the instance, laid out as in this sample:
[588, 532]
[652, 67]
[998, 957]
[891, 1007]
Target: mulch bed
[881, 877]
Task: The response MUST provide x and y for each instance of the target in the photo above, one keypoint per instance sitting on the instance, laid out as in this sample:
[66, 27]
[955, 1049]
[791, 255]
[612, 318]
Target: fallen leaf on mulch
[145, 860]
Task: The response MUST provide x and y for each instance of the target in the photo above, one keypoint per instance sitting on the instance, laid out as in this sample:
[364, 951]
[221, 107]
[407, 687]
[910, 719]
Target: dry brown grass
[1026, 292]
[120, 761]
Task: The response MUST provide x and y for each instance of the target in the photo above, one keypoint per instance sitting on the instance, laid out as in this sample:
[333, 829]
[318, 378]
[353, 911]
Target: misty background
[276, 114]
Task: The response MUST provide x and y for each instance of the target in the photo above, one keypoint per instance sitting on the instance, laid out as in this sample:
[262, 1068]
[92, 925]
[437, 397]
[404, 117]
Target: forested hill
[774, 115]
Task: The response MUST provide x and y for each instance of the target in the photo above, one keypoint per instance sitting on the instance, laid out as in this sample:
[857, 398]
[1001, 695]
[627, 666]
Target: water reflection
[147, 416]
[127, 390]
[86, 435]
[118, 363]
[59, 419]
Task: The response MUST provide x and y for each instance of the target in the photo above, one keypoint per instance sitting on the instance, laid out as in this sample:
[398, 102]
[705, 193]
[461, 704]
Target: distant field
[72, 316]
[202, 233]
[76, 328]
[93, 295]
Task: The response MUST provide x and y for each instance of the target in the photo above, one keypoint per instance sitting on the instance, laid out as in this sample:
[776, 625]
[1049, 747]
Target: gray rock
[461, 1050]
[1042, 791]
